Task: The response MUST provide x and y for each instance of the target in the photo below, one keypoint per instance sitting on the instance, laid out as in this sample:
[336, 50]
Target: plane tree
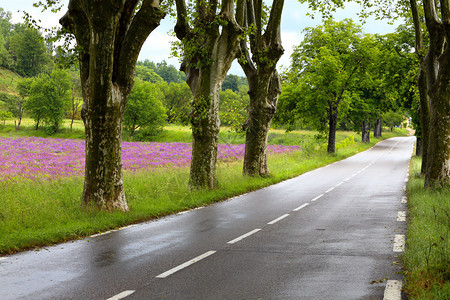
[109, 35]
[209, 35]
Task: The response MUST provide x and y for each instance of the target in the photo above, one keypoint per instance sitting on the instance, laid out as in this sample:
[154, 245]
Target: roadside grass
[427, 256]
[35, 214]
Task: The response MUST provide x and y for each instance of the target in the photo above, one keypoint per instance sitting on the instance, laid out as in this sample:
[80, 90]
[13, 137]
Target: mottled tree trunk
[424, 116]
[263, 104]
[264, 82]
[437, 64]
[205, 72]
[365, 131]
[438, 164]
[111, 35]
[419, 146]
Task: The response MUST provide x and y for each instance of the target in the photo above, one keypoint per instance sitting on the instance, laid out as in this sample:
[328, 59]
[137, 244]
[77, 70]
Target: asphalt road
[328, 234]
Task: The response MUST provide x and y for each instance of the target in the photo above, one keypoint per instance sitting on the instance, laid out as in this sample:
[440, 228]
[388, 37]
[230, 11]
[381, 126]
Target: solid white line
[3, 258]
[244, 236]
[185, 265]
[401, 216]
[399, 243]
[393, 290]
[301, 206]
[121, 295]
[329, 190]
[278, 219]
[318, 197]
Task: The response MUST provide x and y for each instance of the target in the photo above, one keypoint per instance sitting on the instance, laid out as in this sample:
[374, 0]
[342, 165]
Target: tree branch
[144, 22]
[182, 27]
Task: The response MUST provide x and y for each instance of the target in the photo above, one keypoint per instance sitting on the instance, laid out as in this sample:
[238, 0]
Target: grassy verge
[427, 256]
[34, 214]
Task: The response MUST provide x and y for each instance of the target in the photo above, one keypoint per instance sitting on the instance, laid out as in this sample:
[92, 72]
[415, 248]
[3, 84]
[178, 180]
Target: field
[41, 179]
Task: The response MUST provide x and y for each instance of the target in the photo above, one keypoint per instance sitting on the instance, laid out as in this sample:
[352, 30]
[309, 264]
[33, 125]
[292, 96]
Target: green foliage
[144, 110]
[5, 115]
[233, 108]
[163, 71]
[177, 99]
[49, 98]
[147, 74]
[392, 119]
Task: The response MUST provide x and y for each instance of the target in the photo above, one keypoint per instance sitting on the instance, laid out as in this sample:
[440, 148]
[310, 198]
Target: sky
[157, 46]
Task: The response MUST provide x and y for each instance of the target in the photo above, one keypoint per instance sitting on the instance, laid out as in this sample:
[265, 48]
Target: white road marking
[186, 264]
[244, 236]
[301, 206]
[340, 183]
[401, 216]
[406, 180]
[393, 290]
[329, 190]
[318, 197]
[102, 233]
[399, 243]
[3, 258]
[404, 199]
[121, 295]
[278, 219]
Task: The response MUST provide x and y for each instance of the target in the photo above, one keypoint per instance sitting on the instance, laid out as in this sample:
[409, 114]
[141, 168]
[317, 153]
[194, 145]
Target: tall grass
[427, 257]
[34, 214]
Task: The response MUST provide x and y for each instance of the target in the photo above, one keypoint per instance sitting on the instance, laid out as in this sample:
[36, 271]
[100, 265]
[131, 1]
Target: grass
[34, 214]
[8, 81]
[427, 257]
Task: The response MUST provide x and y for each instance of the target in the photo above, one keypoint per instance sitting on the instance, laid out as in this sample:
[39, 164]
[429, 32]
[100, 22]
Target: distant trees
[49, 99]
[145, 110]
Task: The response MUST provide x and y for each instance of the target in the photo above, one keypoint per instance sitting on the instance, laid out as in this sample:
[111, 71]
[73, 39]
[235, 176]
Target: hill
[8, 81]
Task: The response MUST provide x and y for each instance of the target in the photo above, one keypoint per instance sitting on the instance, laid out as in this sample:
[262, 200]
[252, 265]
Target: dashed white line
[244, 236]
[339, 184]
[329, 190]
[399, 243]
[401, 216]
[2, 258]
[278, 219]
[185, 265]
[318, 197]
[121, 295]
[393, 290]
[301, 206]
[404, 199]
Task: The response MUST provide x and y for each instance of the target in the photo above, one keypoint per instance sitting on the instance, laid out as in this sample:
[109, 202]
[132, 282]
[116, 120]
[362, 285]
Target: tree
[144, 110]
[28, 50]
[327, 63]
[76, 94]
[110, 35]
[177, 100]
[259, 65]
[209, 39]
[147, 74]
[233, 109]
[437, 65]
[49, 98]
[391, 119]
[5, 30]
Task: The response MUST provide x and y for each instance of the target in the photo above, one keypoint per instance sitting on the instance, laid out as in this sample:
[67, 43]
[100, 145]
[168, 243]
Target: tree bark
[365, 131]
[332, 125]
[111, 35]
[205, 72]
[264, 82]
[438, 83]
[377, 129]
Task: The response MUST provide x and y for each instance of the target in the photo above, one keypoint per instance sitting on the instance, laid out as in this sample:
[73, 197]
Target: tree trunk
[111, 35]
[365, 131]
[424, 116]
[437, 63]
[377, 129]
[263, 104]
[205, 72]
[438, 164]
[419, 147]
[332, 125]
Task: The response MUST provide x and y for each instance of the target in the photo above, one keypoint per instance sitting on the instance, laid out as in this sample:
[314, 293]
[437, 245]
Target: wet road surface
[333, 233]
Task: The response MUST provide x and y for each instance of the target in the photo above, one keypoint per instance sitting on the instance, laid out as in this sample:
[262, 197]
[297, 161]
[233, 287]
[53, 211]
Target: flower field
[46, 159]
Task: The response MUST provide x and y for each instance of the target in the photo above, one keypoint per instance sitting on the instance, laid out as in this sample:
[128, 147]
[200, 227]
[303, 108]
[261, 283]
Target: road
[333, 233]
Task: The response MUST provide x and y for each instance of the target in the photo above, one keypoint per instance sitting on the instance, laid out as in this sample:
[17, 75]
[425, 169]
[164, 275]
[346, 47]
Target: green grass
[34, 214]
[427, 257]
[8, 81]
